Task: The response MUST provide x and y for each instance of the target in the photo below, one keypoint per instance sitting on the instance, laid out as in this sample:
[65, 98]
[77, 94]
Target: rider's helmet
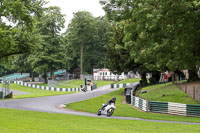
[113, 99]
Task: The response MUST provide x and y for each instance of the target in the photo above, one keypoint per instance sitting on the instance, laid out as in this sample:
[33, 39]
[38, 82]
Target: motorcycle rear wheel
[99, 112]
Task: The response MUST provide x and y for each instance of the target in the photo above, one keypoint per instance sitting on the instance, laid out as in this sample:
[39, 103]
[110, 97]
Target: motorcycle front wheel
[110, 112]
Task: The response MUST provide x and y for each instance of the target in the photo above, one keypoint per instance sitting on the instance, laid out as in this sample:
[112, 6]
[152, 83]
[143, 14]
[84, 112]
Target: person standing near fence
[91, 85]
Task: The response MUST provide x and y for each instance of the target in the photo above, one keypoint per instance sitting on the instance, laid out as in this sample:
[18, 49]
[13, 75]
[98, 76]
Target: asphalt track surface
[15, 92]
[52, 104]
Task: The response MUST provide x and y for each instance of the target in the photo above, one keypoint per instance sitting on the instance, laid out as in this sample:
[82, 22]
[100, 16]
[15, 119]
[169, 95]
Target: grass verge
[77, 83]
[34, 92]
[167, 93]
[123, 109]
[128, 81]
[18, 121]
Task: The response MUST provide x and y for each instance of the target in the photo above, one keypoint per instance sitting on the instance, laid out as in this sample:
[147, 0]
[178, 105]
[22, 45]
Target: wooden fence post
[194, 92]
[185, 88]
[198, 94]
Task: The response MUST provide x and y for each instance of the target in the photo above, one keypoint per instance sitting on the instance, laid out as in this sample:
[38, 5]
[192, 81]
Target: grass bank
[123, 109]
[34, 92]
[77, 83]
[128, 81]
[167, 93]
[18, 121]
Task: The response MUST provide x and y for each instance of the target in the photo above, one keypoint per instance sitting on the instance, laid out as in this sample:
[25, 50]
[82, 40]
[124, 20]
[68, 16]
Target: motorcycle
[107, 109]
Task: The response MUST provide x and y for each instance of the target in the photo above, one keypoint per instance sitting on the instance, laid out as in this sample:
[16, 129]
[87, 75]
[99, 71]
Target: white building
[106, 74]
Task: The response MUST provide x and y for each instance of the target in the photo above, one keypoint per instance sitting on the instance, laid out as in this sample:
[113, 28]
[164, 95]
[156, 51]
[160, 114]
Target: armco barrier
[48, 88]
[166, 107]
[1, 95]
[120, 85]
[193, 110]
[158, 107]
[140, 103]
[175, 108]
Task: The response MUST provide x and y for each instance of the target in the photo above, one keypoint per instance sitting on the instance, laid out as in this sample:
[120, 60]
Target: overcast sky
[70, 6]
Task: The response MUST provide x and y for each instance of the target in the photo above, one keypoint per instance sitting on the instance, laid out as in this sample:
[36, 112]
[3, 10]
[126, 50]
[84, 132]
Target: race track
[51, 104]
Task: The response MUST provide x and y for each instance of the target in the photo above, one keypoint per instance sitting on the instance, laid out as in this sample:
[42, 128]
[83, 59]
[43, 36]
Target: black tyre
[110, 112]
[99, 113]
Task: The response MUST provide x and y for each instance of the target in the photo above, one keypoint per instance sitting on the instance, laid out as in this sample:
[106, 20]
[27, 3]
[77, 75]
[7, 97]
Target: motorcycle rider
[109, 102]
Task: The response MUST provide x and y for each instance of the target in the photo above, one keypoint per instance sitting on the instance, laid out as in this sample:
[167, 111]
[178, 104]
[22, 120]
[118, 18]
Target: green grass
[102, 83]
[77, 83]
[172, 94]
[126, 110]
[18, 121]
[68, 84]
[128, 81]
[157, 86]
[35, 92]
[71, 84]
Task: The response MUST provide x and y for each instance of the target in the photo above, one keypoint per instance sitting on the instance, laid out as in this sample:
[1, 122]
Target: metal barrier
[140, 103]
[5, 91]
[158, 107]
[166, 107]
[193, 110]
[175, 108]
[119, 85]
[48, 88]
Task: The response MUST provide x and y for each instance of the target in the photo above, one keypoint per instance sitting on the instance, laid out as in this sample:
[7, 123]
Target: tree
[48, 56]
[85, 41]
[78, 34]
[119, 57]
[161, 34]
[96, 55]
[16, 25]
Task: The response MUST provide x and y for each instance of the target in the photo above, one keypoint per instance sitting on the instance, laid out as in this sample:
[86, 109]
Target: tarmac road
[52, 104]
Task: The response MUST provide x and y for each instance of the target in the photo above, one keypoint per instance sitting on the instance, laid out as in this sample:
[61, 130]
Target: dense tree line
[31, 40]
[158, 35]
[136, 35]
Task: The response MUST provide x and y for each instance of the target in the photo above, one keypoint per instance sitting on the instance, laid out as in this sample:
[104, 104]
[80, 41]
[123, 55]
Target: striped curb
[48, 88]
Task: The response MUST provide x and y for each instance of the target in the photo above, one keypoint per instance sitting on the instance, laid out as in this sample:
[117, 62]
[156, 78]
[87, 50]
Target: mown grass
[102, 83]
[34, 92]
[77, 83]
[123, 109]
[167, 93]
[128, 81]
[68, 84]
[18, 121]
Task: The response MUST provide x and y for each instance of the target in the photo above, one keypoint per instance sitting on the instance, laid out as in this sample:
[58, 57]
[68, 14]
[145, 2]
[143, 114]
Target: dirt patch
[123, 98]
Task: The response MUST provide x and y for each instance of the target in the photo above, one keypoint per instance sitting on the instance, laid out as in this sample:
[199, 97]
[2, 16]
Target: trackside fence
[140, 103]
[120, 85]
[166, 107]
[48, 88]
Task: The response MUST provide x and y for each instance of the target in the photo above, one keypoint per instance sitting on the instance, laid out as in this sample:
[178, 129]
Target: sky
[68, 7]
